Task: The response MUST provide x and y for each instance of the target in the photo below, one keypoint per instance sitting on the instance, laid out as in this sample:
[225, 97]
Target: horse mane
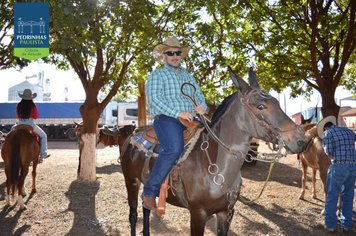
[222, 108]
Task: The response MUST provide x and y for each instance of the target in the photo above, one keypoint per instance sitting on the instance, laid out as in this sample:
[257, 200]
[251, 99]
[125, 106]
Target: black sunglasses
[171, 53]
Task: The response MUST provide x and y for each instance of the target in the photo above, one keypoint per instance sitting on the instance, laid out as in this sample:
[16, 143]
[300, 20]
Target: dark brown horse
[209, 181]
[115, 136]
[2, 138]
[19, 150]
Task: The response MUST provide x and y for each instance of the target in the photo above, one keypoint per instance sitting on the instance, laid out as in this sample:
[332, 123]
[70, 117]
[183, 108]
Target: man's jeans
[170, 135]
[39, 132]
[341, 179]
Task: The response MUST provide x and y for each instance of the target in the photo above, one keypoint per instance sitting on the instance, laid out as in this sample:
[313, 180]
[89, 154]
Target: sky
[60, 79]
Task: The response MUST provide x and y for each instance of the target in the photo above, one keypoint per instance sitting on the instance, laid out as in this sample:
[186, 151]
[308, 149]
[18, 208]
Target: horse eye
[260, 107]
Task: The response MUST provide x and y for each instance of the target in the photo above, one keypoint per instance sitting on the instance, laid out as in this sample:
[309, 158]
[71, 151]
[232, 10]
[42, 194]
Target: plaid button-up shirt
[164, 95]
[339, 143]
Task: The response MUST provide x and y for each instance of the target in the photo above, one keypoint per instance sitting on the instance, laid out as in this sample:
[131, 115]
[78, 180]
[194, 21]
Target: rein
[204, 119]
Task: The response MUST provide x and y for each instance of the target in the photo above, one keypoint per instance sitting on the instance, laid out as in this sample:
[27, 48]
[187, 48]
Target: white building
[42, 88]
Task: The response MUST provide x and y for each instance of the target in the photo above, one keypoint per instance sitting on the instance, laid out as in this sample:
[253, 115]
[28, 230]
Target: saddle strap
[163, 193]
[146, 170]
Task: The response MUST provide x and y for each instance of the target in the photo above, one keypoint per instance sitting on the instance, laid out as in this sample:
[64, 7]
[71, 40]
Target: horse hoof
[301, 197]
[24, 207]
[34, 191]
[314, 196]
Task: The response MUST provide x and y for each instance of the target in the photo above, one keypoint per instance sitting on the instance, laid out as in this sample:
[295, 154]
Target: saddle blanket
[152, 150]
[144, 145]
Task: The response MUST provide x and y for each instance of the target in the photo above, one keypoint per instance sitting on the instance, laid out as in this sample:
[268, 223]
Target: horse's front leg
[304, 177]
[198, 219]
[223, 222]
[146, 222]
[314, 183]
[132, 187]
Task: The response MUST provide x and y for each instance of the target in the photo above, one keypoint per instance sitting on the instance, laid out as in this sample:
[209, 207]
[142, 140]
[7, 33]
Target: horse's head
[78, 128]
[126, 130]
[269, 122]
[310, 131]
[116, 136]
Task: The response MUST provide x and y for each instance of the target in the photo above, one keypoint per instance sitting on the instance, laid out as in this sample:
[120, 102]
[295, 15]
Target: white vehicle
[127, 113]
[120, 113]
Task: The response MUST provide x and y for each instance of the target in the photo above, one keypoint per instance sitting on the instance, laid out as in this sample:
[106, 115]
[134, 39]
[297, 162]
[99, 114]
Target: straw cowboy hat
[322, 123]
[170, 42]
[27, 94]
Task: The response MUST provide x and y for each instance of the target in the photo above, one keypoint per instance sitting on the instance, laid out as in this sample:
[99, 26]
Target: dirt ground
[64, 206]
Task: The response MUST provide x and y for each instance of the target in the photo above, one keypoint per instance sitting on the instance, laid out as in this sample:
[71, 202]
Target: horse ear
[240, 83]
[252, 79]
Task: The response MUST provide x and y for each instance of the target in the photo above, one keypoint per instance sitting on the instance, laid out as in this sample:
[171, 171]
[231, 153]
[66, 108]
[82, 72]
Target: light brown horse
[209, 180]
[314, 157]
[19, 150]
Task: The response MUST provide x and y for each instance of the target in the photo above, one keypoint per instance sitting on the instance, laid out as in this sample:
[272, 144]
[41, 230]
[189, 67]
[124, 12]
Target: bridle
[272, 132]
[259, 118]
[213, 169]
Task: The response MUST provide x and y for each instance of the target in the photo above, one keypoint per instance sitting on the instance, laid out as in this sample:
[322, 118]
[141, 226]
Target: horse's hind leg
[8, 193]
[20, 186]
[223, 224]
[34, 167]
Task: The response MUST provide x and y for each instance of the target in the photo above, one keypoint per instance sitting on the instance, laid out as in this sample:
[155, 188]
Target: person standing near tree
[339, 144]
[167, 104]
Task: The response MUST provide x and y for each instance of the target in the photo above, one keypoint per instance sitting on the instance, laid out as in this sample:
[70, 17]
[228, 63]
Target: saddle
[111, 131]
[192, 127]
[110, 136]
[30, 130]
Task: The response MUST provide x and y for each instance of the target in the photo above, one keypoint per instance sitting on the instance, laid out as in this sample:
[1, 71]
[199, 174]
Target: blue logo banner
[31, 30]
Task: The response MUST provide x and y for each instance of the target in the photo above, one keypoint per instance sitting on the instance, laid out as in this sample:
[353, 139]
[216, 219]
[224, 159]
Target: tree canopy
[7, 58]
[303, 45]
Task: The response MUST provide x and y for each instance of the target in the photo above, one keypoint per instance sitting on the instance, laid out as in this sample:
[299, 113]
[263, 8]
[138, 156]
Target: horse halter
[245, 101]
[260, 119]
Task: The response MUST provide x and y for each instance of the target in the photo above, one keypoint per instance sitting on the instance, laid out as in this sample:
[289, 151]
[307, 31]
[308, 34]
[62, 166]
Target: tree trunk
[329, 107]
[142, 118]
[87, 167]
[87, 158]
